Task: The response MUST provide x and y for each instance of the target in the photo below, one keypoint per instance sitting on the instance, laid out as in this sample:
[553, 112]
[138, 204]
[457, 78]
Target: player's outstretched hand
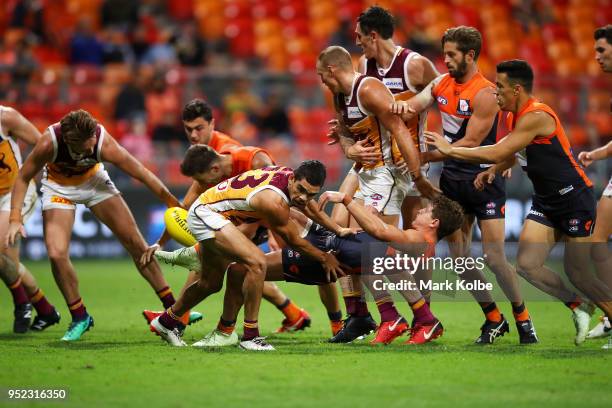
[585, 158]
[483, 178]
[404, 109]
[438, 141]
[361, 153]
[330, 197]
[12, 235]
[147, 256]
[507, 173]
[347, 232]
[332, 134]
[427, 189]
[332, 267]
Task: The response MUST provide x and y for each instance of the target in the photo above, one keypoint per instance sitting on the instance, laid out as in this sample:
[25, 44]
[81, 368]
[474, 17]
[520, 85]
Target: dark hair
[467, 38]
[518, 71]
[78, 125]
[198, 159]
[197, 108]
[311, 170]
[449, 213]
[604, 32]
[377, 19]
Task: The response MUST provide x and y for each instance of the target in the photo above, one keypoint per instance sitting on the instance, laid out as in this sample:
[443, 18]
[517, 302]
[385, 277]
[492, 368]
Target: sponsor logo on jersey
[442, 100]
[566, 190]
[376, 196]
[393, 83]
[491, 204]
[353, 112]
[574, 221]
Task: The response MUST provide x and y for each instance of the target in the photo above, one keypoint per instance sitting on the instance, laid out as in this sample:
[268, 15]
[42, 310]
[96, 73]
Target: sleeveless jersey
[363, 125]
[549, 160]
[67, 168]
[10, 159]
[455, 103]
[395, 79]
[242, 158]
[231, 198]
[220, 141]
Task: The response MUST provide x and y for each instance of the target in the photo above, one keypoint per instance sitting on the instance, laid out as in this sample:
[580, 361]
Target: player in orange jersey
[466, 100]
[71, 152]
[563, 206]
[23, 287]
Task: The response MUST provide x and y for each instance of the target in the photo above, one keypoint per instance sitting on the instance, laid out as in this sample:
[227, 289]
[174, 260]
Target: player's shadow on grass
[96, 345]
[9, 336]
[540, 350]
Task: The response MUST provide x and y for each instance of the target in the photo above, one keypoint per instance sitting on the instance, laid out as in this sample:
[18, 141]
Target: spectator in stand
[345, 36]
[130, 102]
[240, 99]
[161, 100]
[119, 13]
[85, 48]
[116, 48]
[168, 131]
[24, 66]
[189, 45]
[138, 142]
[29, 14]
[273, 120]
[139, 42]
[161, 54]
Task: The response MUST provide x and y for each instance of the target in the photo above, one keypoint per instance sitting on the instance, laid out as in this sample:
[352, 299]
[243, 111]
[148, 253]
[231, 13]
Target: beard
[460, 70]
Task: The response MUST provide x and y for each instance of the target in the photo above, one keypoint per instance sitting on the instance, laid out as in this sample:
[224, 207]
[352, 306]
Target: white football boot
[582, 318]
[185, 257]
[599, 331]
[256, 344]
[217, 338]
[172, 337]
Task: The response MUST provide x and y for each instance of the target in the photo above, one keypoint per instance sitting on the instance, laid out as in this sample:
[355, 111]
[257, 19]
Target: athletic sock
[77, 310]
[225, 326]
[20, 296]
[165, 295]
[574, 303]
[421, 311]
[169, 320]
[355, 306]
[290, 310]
[491, 311]
[387, 310]
[520, 312]
[40, 303]
[335, 321]
[251, 330]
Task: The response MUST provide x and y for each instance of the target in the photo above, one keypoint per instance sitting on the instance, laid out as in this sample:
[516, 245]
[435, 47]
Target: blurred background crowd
[134, 63]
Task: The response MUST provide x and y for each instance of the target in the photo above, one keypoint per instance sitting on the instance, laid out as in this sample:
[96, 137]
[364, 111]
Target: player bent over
[263, 195]
[72, 152]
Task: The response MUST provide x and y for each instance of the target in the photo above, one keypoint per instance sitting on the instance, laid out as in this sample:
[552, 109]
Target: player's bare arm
[587, 158]
[116, 154]
[260, 160]
[370, 223]
[36, 160]
[489, 175]
[421, 72]
[528, 127]
[376, 98]
[320, 217]
[276, 213]
[358, 151]
[485, 109]
[18, 126]
[417, 104]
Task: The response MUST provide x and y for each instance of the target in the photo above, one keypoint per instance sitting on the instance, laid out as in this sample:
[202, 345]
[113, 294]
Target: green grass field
[120, 363]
